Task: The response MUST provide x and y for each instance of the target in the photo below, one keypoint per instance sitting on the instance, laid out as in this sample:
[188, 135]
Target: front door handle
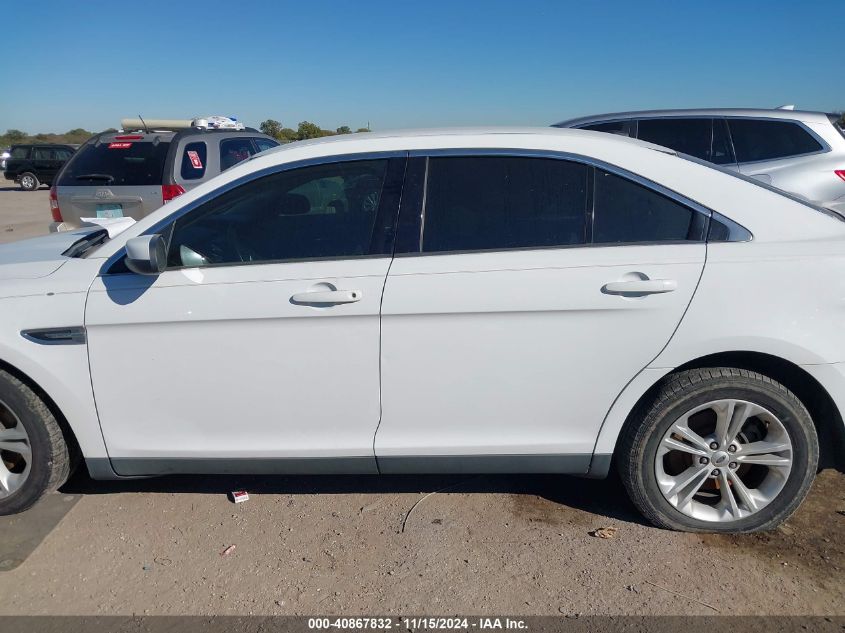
[636, 287]
[326, 297]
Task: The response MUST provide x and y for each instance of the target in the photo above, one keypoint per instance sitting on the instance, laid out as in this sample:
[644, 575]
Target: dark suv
[34, 165]
[131, 174]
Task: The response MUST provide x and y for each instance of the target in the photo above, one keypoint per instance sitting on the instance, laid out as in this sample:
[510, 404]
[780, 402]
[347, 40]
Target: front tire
[34, 457]
[719, 450]
[29, 181]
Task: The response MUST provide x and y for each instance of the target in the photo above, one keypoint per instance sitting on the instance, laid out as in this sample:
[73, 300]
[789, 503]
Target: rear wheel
[29, 181]
[720, 450]
[34, 457]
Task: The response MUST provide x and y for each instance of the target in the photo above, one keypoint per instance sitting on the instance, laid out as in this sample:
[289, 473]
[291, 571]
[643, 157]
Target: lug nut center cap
[720, 458]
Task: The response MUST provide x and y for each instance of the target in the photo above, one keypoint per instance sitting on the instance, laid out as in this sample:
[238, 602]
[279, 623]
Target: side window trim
[412, 211]
[824, 146]
[113, 265]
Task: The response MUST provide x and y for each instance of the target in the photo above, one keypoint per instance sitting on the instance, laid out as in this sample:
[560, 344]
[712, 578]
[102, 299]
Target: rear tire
[738, 486]
[29, 181]
[34, 457]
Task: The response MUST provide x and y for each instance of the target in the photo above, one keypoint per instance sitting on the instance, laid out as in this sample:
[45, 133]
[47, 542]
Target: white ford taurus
[451, 301]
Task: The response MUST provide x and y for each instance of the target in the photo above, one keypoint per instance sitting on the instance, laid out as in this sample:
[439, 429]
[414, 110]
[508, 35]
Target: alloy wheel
[724, 460]
[15, 452]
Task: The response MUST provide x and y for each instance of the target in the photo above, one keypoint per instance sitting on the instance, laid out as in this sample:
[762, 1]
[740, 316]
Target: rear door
[114, 177]
[538, 289]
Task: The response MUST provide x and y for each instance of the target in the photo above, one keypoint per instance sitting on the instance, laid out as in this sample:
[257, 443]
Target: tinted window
[313, 212]
[628, 212]
[63, 154]
[117, 163]
[233, 151]
[722, 152]
[491, 202]
[19, 152]
[623, 128]
[767, 140]
[194, 160]
[42, 153]
[690, 136]
[264, 143]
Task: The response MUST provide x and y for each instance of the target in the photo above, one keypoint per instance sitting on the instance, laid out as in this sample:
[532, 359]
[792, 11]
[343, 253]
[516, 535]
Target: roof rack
[174, 125]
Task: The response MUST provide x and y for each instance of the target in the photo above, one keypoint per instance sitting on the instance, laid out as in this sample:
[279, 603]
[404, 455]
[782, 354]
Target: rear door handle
[327, 297]
[640, 287]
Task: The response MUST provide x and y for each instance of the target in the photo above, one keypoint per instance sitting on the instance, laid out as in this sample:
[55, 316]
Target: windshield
[117, 163]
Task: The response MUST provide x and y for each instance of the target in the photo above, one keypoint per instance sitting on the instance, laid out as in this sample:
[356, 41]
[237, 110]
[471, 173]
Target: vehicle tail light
[840, 173]
[54, 205]
[168, 192]
[128, 137]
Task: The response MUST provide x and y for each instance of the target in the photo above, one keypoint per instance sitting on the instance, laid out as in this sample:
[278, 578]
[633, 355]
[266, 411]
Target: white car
[517, 300]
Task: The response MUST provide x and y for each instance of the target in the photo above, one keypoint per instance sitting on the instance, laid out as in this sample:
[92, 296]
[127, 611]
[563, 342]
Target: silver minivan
[131, 174]
[797, 151]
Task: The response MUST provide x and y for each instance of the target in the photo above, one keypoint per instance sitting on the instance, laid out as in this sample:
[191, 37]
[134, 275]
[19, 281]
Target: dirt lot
[348, 545]
[22, 213]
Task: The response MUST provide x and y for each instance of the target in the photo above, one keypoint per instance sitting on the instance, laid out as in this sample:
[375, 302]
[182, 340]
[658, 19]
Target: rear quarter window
[756, 140]
[117, 163]
[19, 152]
[194, 159]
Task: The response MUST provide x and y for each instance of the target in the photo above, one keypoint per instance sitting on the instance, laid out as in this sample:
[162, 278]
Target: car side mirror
[146, 254]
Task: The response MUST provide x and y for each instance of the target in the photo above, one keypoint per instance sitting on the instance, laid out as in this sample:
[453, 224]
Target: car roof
[793, 115]
[170, 135]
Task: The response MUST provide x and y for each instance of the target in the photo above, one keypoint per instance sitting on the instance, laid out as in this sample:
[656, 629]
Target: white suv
[526, 300]
[797, 151]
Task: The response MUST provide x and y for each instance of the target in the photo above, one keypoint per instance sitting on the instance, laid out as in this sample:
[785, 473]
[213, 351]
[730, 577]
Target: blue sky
[409, 64]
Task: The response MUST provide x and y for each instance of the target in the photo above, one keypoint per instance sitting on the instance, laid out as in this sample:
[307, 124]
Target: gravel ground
[352, 545]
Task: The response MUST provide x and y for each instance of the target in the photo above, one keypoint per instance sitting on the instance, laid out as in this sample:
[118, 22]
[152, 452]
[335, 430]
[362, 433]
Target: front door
[258, 349]
[540, 287]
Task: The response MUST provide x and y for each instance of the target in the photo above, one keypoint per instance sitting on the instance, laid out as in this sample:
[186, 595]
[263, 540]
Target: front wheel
[29, 181]
[720, 450]
[34, 457]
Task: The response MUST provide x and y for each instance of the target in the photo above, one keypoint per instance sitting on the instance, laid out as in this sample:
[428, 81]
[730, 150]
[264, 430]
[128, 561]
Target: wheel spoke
[691, 436]
[688, 484]
[21, 448]
[728, 495]
[672, 444]
[16, 433]
[742, 492]
[8, 479]
[731, 417]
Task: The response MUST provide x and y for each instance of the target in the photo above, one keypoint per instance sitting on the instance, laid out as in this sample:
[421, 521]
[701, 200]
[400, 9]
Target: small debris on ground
[605, 532]
[228, 550]
[239, 496]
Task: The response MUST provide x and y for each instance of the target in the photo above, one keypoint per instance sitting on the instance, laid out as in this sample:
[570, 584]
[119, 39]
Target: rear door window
[42, 153]
[756, 139]
[503, 202]
[194, 160]
[117, 163]
[234, 150]
[690, 136]
[627, 212]
[63, 154]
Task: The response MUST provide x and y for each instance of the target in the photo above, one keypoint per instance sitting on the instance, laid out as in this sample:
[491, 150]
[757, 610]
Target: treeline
[304, 130]
[73, 137]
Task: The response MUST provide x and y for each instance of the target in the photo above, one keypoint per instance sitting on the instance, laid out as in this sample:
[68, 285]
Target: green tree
[344, 129]
[15, 136]
[271, 127]
[308, 130]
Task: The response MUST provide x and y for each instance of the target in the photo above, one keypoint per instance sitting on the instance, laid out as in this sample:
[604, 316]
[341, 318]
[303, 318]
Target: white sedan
[515, 300]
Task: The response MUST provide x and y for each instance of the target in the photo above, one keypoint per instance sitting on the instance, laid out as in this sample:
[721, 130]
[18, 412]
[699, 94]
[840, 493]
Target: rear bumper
[10, 176]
